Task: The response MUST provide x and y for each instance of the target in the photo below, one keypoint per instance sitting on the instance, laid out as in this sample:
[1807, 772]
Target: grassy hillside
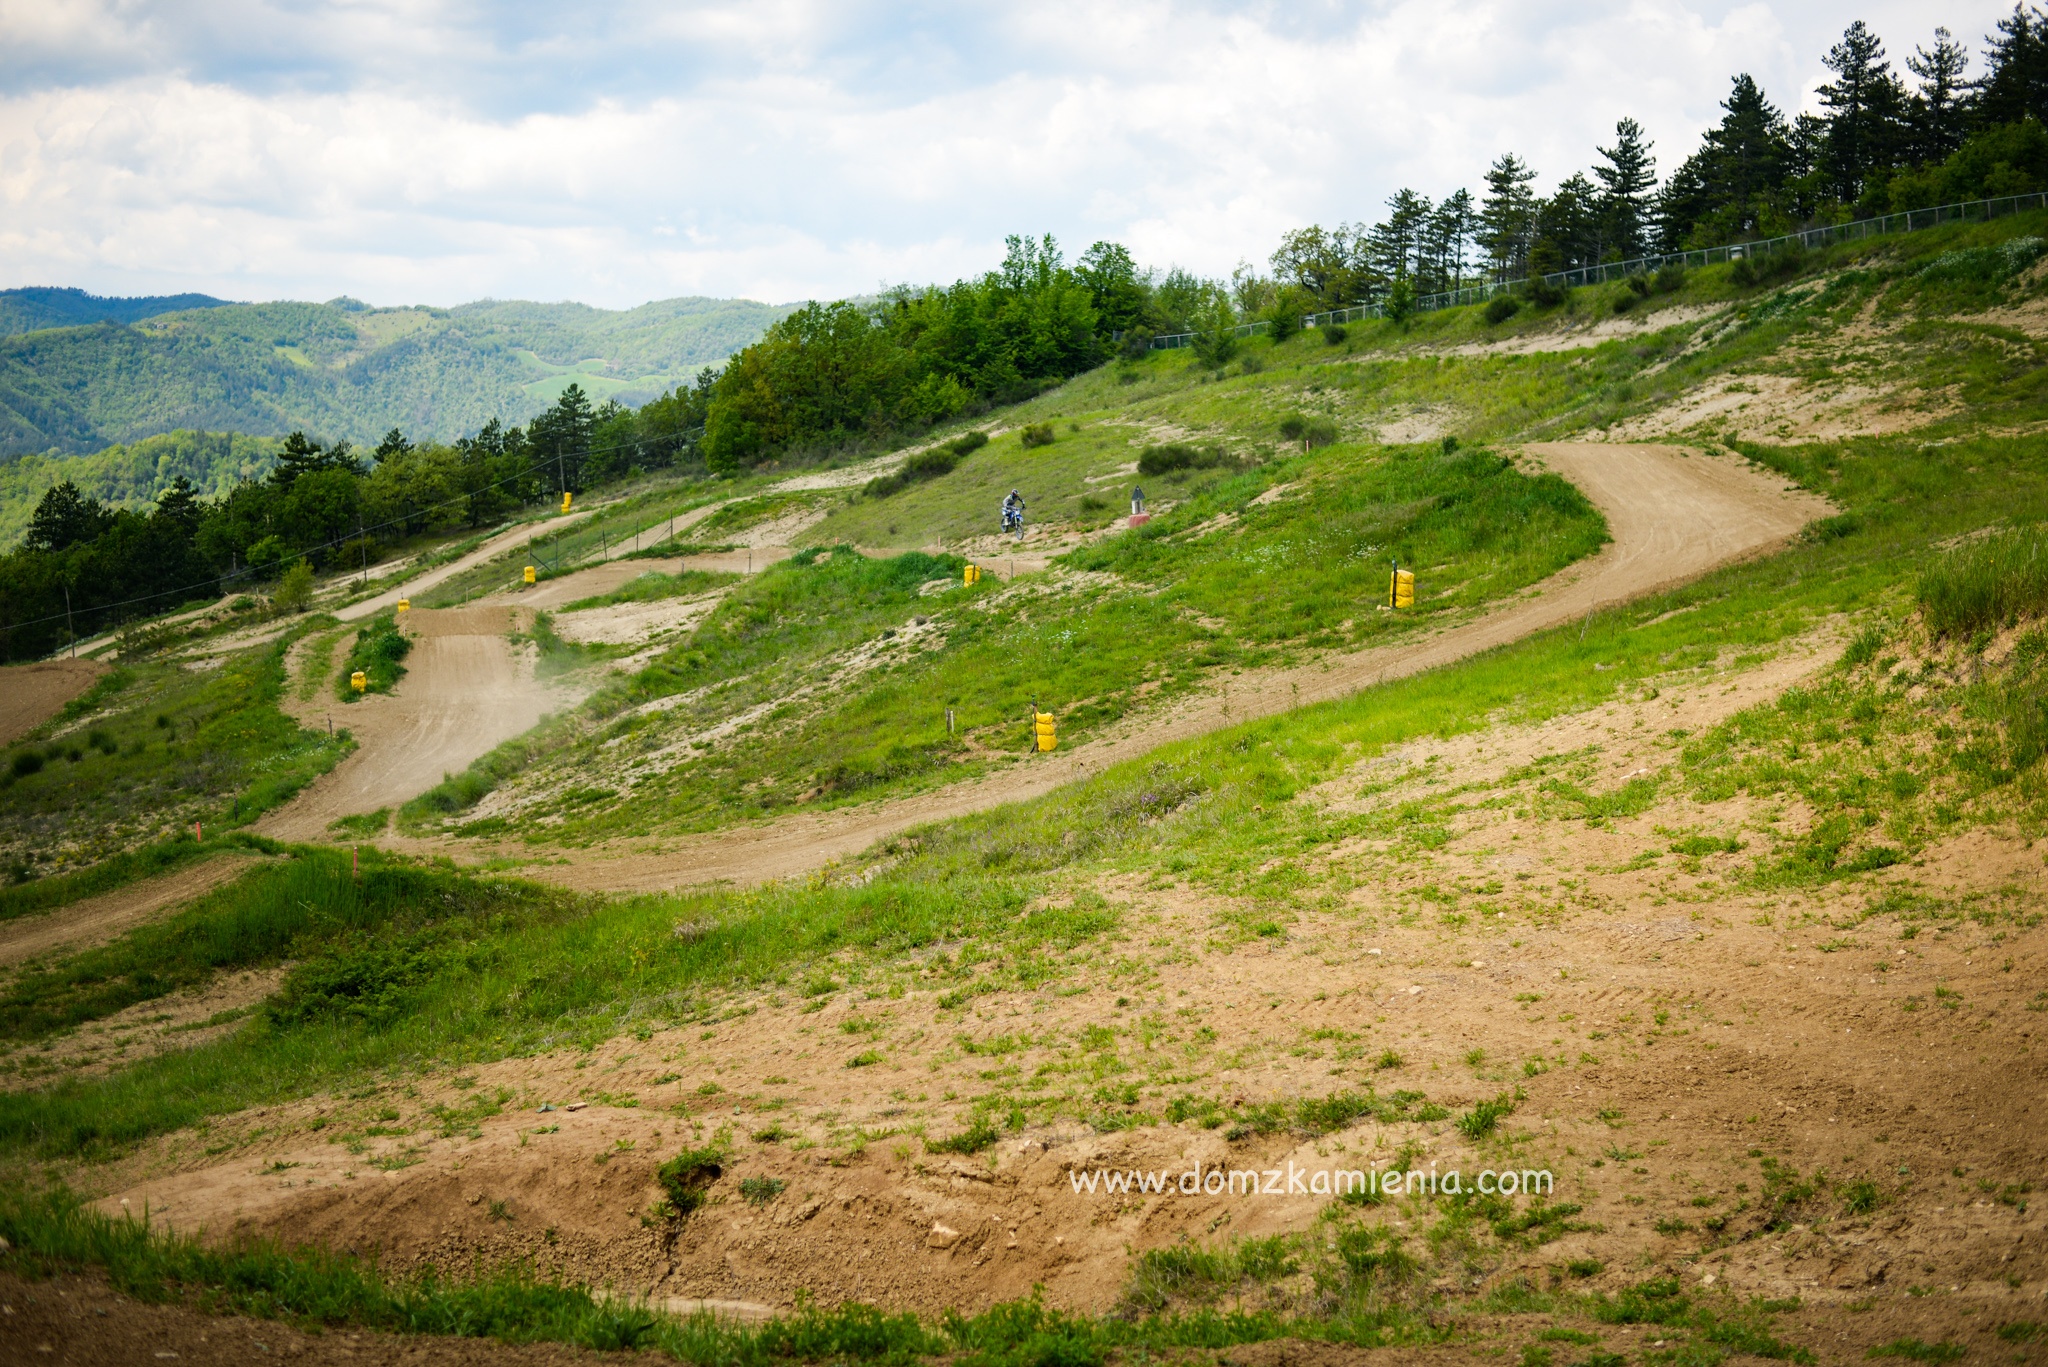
[342, 370]
[1723, 905]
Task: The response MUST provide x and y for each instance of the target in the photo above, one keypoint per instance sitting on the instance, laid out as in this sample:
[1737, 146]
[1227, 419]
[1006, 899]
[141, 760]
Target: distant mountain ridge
[118, 371]
[33, 308]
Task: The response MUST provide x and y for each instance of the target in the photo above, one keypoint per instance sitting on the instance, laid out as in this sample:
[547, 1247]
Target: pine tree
[1938, 114]
[1865, 104]
[178, 505]
[394, 444]
[1396, 245]
[64, 518]
[1626, 183]
[2015, 84]
[1507, 215]
[1450, 227]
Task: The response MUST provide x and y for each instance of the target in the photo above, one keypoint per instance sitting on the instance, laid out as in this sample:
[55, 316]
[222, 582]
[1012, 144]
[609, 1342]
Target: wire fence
[1906, 221]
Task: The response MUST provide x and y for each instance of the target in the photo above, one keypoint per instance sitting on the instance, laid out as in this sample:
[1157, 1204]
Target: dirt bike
[1013, 521]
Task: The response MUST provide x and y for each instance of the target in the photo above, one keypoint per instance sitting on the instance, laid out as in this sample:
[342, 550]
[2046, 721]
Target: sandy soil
[32, 694]
[465, 690]
[1664, 1031]
[1785, 408]
[1575, 335]
[1673, 515]
[96, 920]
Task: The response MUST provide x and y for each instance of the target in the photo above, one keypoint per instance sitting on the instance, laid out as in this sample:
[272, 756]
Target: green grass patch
[379, 649]
[654, 586]
[181, 746]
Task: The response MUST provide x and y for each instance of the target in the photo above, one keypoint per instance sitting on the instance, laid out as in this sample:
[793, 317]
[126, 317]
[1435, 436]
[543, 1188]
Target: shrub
[967, 443]
[1502, 308]
[686, 1177]
[1639, 284]
[1036, 434]
[1311, 432]
[1334, 334]
[1135, 344]
[26, 762]
[1162, 460]
[1546, 293]
[365, 980]
[1401, 300]
[294, 589]
[1671, 279]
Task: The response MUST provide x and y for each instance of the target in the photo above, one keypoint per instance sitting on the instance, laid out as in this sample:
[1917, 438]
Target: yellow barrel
[971, 575]
[565, 500]
[359, 681]
[529, 574]
[405, 605]
[1401, 593]
[1043, 727]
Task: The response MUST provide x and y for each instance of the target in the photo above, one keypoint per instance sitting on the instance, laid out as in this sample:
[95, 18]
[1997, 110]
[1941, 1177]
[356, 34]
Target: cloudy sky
[409, 151]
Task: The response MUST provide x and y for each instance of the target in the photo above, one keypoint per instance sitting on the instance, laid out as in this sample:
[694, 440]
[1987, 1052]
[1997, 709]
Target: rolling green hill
[339, 369]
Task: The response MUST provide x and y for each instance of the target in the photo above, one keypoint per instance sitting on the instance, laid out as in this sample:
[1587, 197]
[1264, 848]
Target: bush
[379, 647]
[967, 443]
[364, 980]
[295, 589]
[1401, 300]
[1310, 432]
[1671, 279]
[1334, 334]
[1161, 460]
[1639, 284]
[1502, 308]
[268, 557]
[1546, 294]
[26, 762]
[1135, 344]
[1036, 434]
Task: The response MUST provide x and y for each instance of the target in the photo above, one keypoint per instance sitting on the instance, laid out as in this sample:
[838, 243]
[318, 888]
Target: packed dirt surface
[1673, 514]
[465, 690]
[415, 586]
[96, 920]
[32, 694]
[1667, 1039]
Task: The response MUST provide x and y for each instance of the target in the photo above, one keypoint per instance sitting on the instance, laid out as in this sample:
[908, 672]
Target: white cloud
[439, 152]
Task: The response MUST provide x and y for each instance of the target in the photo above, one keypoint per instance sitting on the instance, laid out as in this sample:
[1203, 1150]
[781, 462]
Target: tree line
[1880, 145]
[84, 567]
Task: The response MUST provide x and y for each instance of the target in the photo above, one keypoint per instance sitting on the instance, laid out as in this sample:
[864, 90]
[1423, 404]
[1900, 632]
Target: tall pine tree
[1626, 182]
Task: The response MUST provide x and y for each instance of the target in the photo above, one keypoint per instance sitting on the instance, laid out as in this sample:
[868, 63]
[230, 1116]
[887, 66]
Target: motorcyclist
[1013, 513]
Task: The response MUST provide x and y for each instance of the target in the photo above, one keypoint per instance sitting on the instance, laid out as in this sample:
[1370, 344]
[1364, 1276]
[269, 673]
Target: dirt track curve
[465, 690]
[1674, 514]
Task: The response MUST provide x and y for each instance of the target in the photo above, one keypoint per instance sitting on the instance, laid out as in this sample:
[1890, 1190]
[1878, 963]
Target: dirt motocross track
[465, 690]
[1674, 514]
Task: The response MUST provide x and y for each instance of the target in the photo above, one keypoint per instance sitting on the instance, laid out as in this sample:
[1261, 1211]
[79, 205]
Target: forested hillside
[342, 369]
[40, 306]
